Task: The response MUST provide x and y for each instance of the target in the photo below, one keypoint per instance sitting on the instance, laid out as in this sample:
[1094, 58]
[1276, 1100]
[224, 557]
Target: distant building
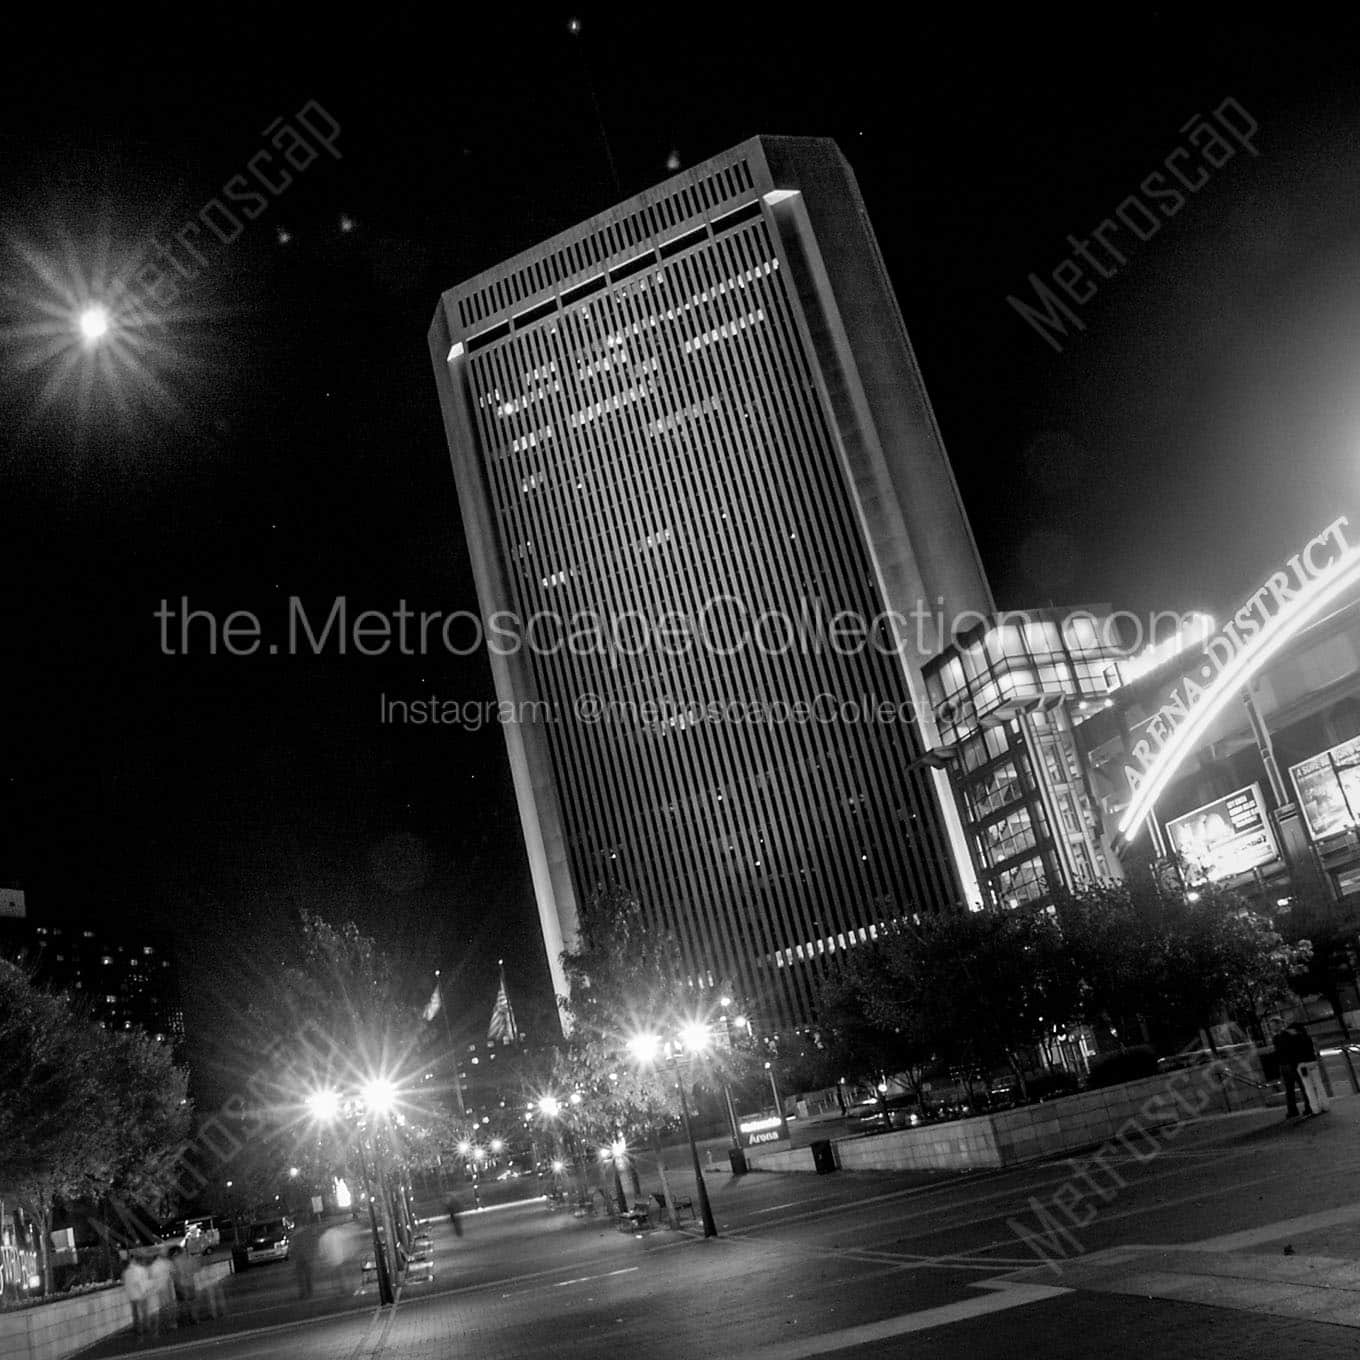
[699, 414]
[126, 977]
[1006, 695]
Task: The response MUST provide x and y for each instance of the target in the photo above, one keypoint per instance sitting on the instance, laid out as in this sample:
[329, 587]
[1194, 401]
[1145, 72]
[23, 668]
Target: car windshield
[272, 1229]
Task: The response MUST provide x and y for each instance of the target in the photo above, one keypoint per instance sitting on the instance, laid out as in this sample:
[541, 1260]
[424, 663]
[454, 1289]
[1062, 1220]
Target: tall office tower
[687, 435]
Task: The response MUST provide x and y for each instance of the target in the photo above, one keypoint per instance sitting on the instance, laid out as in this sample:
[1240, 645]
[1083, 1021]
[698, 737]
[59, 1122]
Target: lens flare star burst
[79, 346]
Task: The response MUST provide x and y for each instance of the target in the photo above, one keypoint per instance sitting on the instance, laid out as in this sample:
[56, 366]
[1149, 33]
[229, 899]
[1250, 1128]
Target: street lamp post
[646, 1048]
[385, 1295]
[778, 1099]
[328, 1106]
[705, 1209]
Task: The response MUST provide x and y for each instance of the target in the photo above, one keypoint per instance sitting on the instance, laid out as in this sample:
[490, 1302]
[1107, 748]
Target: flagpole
[448, 1030]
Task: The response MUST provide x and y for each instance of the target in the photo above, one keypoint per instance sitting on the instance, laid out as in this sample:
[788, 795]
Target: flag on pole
[432, 1007]
[502, 1027]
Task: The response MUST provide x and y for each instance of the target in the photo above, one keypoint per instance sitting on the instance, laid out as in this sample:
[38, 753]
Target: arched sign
[1299, 593]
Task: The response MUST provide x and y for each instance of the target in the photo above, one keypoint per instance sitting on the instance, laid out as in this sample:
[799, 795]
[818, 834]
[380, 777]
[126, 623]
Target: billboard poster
[1224, 838]
[1328, 789]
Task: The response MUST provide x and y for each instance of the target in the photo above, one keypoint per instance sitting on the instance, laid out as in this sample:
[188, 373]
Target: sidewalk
[1305, 1267]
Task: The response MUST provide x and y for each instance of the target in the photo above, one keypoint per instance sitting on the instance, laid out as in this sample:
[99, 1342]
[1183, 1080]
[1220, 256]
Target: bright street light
[324, 1105]
[380, 1095]
[695, 1037]
[464, 1148]
[497, 1144]
[94, 323]
[550, 1106]
[293, 1173]
[645, 1047]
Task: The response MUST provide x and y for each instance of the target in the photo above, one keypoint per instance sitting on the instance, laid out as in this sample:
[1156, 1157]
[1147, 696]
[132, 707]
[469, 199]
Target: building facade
[126, 978]
[1224, 751]
[694, 454]
[1235, 758]
[1007, 696]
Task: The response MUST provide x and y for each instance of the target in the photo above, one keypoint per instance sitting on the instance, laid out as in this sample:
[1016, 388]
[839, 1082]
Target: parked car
[209, 1234]
[267, 1241]
[185, 1234]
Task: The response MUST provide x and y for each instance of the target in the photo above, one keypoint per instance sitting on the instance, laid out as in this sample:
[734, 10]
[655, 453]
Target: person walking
[161, 1299]
[303, 1251]
[330, 1250]
[137, 1287]
[209, 1284]
[1286, 1046]
[183, 1268]
[1310, 1077]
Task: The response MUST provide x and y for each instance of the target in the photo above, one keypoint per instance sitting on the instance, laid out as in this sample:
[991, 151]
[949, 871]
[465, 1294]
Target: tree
[628, 979]
[870, 1024]
[977, 988]
[1325, 935]
[84, 1111]
[1150, 954]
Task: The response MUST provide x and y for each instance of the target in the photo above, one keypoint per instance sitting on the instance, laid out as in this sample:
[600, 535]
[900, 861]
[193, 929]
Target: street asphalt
[1238, 1237]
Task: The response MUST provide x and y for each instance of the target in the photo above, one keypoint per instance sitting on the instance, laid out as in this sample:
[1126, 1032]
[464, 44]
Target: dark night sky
[1201, 425]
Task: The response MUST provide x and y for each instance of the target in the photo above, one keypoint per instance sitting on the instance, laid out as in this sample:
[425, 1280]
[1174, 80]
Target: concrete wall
[52, 1331]
[1035, 1131]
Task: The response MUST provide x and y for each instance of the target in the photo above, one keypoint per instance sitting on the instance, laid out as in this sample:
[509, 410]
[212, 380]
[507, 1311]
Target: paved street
[1181, 1249]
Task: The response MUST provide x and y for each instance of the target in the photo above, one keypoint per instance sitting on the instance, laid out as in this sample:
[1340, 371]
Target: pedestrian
[162, 1296]
[303, 1251]
[184, 1269]
[1286, 1046]
[330, 1251]
[1310, 1074]
[454, 1208]
[137, 1287]
[210, 1290]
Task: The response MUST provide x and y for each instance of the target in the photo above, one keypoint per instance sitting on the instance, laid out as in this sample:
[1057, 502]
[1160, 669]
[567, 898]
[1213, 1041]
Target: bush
[1132, 1064]
[1048, 1085]
[89, 1267]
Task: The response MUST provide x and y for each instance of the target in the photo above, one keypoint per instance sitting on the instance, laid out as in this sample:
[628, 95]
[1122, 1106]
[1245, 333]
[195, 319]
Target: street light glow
[550, 1106]
[644, 1047]
[464, 1148]
[380, 1095]
[94, 323]
[695, 1037]
[324, 1105]
[497, 1144]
